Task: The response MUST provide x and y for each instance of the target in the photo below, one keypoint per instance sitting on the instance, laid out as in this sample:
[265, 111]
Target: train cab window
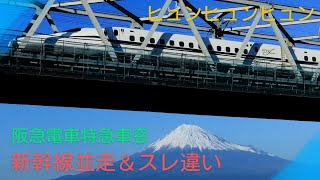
[191, 45]
[306, 58]
[162, 42]
[219, 48]
[245, 51]
[152, 40]
[228, 49]
[314, 59]
[141, 39]
[256, 49]
[132, 38]
[116, 32]
[171, 43]
[210, 48]
[236, 50]
[181, 44]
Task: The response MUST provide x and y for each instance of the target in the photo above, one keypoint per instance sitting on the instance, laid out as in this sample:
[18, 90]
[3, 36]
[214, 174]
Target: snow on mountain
[191, 136]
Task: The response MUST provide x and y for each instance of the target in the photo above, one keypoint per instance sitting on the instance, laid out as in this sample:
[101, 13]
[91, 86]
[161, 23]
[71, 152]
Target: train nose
[13, 43]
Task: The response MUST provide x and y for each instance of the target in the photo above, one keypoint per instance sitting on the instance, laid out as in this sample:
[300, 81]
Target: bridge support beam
[191, 26]
[152, 30]
[52, 24]
[99, 30]
[296, 68]
[136, 21]
[249, 35]
[196, 34]
[33, 26]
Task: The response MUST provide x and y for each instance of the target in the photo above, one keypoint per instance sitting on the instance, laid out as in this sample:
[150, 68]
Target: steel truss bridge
[185, 72]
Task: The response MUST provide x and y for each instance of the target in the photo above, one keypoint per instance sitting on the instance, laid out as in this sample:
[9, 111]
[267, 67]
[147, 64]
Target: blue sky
[278, 137]
[282, 138]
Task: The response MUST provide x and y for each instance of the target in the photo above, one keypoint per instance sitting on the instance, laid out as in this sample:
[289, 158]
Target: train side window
[314, 59]
[141, 39]
[246, 51]
[162, 42]
[171, 43]
[181, 44]
[132, 38]
[236, 50]
[306, 58]
[191, 45]
[116, 32]
[219, 48]
[210, 48]
[152, 40]
[228, 49]
[256, 49]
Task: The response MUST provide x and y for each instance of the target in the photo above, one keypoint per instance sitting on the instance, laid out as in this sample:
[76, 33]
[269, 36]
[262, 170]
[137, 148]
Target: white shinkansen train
[173, 46]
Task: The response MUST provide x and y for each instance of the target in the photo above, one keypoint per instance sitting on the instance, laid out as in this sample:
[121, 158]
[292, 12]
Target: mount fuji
[236, 161]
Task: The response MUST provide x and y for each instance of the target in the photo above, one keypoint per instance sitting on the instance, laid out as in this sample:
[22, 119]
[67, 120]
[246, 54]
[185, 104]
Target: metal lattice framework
[284, 38]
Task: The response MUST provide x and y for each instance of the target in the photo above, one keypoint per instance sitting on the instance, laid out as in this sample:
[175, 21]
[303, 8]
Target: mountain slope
[236, 161]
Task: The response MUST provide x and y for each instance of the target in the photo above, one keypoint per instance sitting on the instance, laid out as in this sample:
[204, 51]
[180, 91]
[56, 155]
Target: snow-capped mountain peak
[191, 136]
